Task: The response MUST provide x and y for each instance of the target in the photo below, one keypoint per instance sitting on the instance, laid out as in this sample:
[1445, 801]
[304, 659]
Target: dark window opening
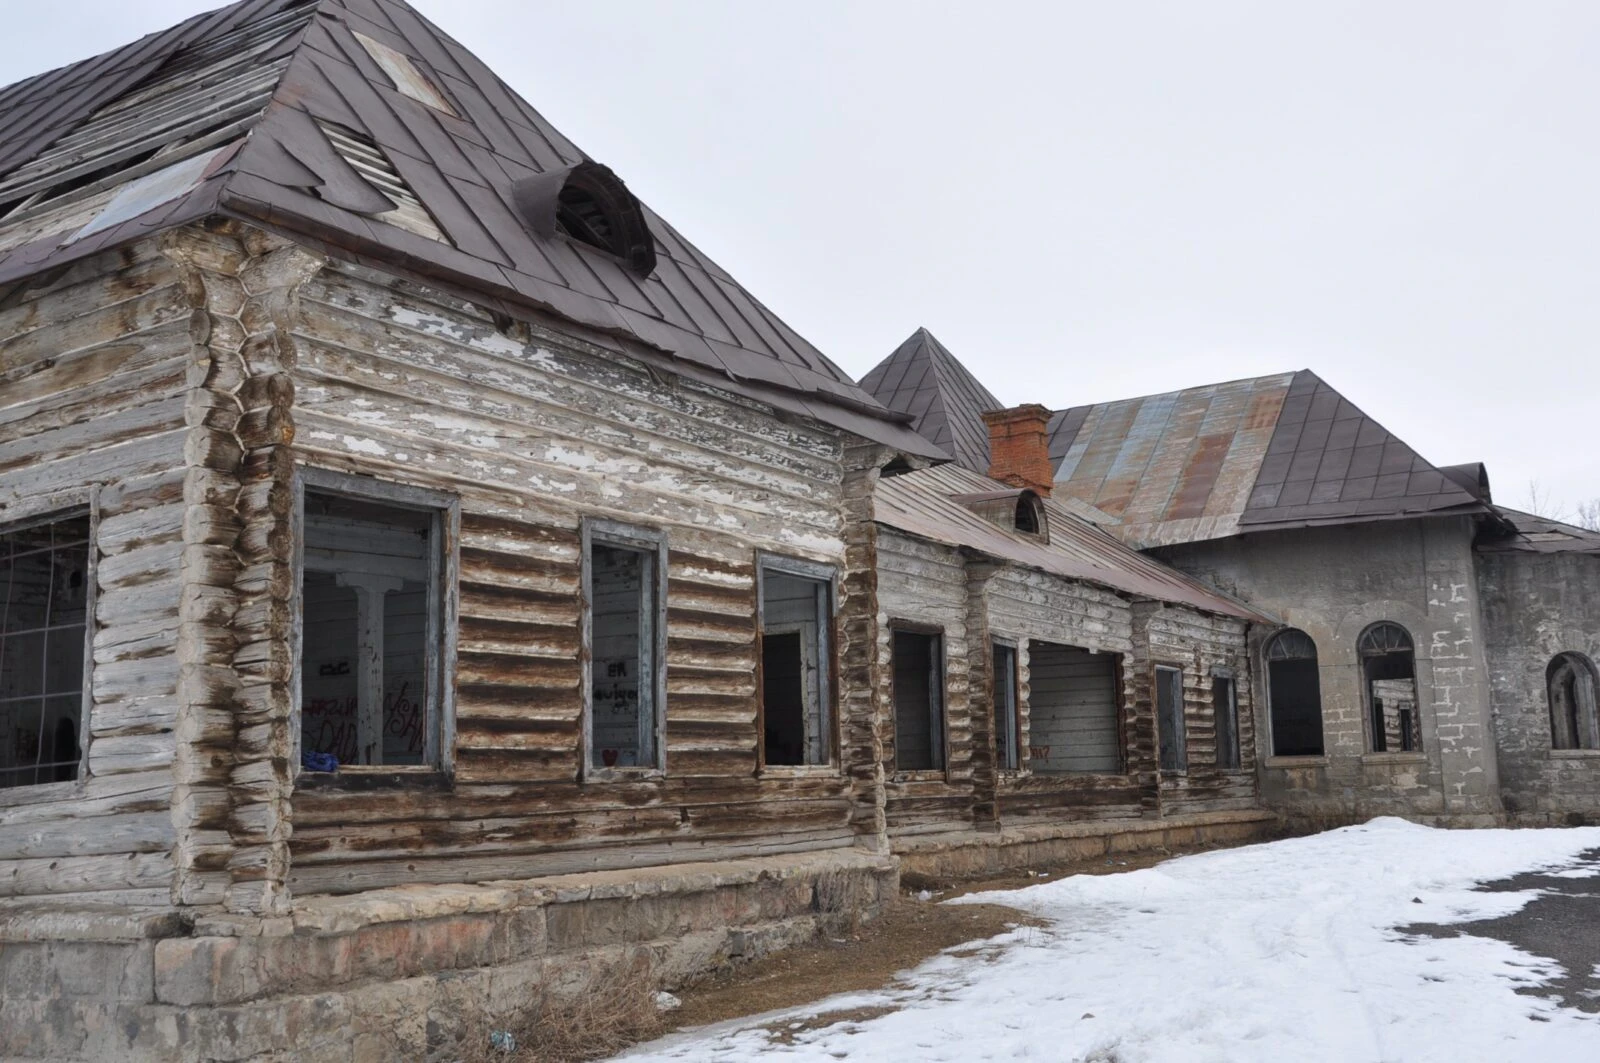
[44, 609]
[1005, 707]
[1294, 695]
[1225, 708]
[369, 674]
[1169, 720]
[1028, 514]
[795, 666]
[1388, 670]
[1073, 720]
[1571, 687]
[918, 701]
[624, 624]
[896, 467]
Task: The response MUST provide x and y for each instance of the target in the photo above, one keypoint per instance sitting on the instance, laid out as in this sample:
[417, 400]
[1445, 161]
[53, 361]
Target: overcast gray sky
[1090, 201]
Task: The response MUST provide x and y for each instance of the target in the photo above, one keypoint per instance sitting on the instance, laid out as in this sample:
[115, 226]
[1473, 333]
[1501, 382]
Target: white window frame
[443, 609]
[652, 542]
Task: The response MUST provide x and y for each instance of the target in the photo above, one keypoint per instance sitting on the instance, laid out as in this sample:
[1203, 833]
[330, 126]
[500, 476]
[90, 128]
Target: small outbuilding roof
[933, 504]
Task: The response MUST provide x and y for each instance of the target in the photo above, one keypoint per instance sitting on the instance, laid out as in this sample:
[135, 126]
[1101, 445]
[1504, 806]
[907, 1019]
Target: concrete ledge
[401, 972]
[972, 854]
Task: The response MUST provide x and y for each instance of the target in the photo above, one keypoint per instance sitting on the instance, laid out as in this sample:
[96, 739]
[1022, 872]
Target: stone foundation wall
[402, 973]
[976, 854]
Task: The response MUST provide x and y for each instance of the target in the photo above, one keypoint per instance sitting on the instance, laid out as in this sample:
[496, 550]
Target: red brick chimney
[1019, 447]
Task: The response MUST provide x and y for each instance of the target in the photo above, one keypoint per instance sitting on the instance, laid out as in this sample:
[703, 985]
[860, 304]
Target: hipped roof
[946, 402]
[276, 113]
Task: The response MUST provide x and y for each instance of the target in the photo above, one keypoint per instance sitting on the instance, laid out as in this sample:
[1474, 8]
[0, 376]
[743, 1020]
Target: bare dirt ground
[912, 930]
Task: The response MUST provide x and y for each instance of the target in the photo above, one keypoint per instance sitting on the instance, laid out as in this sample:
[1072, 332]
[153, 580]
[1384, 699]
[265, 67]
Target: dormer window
[1016, 510]
[590, 205]
[1030, 513]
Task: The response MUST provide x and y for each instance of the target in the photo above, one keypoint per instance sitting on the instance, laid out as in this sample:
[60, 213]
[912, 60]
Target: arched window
[1571, 686]
[1389, 679]
[1294, 695]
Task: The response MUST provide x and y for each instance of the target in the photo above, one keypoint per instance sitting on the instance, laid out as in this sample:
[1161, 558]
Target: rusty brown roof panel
[928, 504]
[453, 172]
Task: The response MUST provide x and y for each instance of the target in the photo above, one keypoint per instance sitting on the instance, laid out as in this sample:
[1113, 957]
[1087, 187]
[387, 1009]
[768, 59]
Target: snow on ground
[1286, 951]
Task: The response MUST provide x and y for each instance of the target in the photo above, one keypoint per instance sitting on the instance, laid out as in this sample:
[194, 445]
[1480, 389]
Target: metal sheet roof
[1277, 451]
[1538, 535]
[336, 154]
[925, 504]
[923, 379]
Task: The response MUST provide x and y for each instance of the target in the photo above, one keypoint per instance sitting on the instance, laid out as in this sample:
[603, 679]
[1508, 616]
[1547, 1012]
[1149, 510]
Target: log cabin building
[426, 575]
[427, 580]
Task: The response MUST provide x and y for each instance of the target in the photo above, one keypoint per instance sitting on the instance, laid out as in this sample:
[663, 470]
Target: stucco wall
[1332, 583]
[1536, 606]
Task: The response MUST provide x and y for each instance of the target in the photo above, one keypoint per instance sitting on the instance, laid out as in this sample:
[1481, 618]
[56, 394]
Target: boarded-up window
[370, 601]
[1225, 709]
[1072, 710]
[1005, 706]
[1169, 719]
[1388, 665]
[796, 703]
[44, 605]
[1294, 695]
[918, 701]
[625, 624]
[1571, 688]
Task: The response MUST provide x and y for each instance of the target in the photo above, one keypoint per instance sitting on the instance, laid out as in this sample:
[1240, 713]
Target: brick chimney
[1019, 447]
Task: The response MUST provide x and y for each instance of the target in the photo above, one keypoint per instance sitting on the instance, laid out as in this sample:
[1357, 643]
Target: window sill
[1318, 761]
[618, 775]
[923, 775]
[798, 771]
[41, 793]
[1394, 758]
[1574, 754]
[357, 778]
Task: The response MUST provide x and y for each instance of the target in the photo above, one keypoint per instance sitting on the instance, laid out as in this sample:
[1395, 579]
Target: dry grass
[607, 1013]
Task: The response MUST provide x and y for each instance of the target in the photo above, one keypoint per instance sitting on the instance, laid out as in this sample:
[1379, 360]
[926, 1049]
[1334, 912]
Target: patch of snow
[1291, 950]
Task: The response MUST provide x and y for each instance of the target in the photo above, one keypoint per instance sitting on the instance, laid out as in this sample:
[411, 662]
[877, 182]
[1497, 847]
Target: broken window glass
[44, 607]
[1005, 706]
[1571, 688]
[370, 630]
[1294, 695]
[918, 701]
[1073, 719]
[624, 629]
[1225, 709]
[1169, 719]
[795, 665]
[1388, 668]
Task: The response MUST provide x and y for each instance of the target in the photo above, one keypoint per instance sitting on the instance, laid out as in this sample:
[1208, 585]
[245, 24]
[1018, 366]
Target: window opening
[1570, 686]
[1388, 669]
[1225, 709]
[1073, 719]
[1028, 514]
[1169, 719]
[1294, 695]
[370, 602]
[1005, 706]
[44, 609]
[625, 625]
[918, 701]
[795, 665]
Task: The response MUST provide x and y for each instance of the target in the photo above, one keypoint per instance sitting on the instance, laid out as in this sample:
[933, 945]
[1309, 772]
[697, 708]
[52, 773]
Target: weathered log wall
[1026, 605]
[925, 584]
[1203, 646]
[534, 431]
[95, 366]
